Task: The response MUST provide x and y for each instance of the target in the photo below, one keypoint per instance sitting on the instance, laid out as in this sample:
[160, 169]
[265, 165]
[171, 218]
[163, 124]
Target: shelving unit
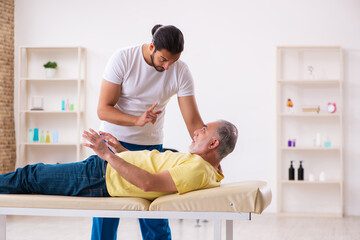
[310, 76]
[67, 84]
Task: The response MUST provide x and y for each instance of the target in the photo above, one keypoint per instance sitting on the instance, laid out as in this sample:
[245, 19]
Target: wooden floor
[265, 226]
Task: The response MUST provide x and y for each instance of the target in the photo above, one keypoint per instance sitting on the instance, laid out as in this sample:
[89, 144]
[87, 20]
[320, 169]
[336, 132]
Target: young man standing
[137, 84]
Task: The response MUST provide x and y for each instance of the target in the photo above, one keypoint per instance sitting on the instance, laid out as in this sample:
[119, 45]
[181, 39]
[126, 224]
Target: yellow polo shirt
[189, 172]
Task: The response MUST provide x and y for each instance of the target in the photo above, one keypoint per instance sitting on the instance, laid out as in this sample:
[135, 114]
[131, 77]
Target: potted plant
[50, 69]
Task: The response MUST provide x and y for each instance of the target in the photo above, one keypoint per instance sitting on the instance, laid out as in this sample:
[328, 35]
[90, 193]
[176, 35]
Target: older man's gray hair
[227, 134]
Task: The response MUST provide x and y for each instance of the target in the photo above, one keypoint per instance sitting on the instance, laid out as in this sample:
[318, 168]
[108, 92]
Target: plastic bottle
[289, 143]
[42, 137]
[36, 135]
[47, 137]
[67, 108]
[63, 105]
[291, 171]
[327, 143]
[55, 136]
[30, 136]
[300, 172]
[289, 105]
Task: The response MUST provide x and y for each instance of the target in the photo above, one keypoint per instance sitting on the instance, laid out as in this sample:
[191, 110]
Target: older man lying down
[122, 174]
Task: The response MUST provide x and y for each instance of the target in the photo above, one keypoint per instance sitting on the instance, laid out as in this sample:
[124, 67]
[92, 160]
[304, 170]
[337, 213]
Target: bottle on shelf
[327, 142]
[289, 105]
[42, 137]
[55, 136]
[289, 143]
[291, 171]
[47, 140]
[30, 136]
[63, 105]
[67, 108]
[36, 135]
[300, 172]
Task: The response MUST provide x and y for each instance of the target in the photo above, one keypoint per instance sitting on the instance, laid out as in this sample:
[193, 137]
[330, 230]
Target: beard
[192, 148]
[197, 147]
[157, 68]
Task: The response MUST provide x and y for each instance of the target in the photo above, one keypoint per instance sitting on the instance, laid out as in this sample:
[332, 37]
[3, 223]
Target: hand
[112, 142]
[96, 143]
[148, 116]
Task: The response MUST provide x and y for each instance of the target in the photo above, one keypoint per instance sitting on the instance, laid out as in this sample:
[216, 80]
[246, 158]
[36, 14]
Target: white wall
[230, 49]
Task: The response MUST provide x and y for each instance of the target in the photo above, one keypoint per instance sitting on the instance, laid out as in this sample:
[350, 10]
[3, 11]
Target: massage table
[225, 203]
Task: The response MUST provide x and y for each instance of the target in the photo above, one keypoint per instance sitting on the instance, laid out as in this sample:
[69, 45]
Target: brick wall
[7, 123]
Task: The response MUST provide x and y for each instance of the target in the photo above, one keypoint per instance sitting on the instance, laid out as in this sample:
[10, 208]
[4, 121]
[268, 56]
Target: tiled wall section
[7, 124]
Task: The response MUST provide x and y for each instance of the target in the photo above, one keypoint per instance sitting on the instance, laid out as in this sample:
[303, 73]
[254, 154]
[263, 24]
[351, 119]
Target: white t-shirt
[142, 86]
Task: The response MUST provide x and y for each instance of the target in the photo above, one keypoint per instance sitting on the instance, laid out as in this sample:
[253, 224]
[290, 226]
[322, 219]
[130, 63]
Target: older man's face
[203, 137]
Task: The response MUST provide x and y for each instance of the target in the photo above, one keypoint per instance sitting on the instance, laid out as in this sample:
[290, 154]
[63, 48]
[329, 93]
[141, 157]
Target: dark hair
[228, 134]
[168, 37]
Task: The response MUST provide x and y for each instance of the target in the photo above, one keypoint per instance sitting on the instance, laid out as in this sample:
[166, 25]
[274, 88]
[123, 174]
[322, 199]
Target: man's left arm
[190, 113]
[160, 182]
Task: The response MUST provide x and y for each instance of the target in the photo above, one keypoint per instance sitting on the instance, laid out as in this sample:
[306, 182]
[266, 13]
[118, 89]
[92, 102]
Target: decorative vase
[50, 72]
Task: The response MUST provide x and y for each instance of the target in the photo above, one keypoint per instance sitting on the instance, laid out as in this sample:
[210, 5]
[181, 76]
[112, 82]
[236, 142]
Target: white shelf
[311, 83]
[68, 84]
[319, 87]
[302, 214]
[50, 112]
[296, 182]
[50, 144]
[310, 148]
[309, 48]
[310, 115]
[47, 48]
[52, 79]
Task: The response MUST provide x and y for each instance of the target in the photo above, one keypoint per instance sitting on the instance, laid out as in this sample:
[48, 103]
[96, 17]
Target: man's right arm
[109, 95]
[144, 180]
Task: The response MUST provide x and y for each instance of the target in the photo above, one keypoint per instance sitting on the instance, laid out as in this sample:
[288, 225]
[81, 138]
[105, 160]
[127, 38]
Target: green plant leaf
[50, 65]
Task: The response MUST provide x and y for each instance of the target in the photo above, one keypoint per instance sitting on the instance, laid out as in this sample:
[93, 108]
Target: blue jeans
[151, 229]
[86, 179]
